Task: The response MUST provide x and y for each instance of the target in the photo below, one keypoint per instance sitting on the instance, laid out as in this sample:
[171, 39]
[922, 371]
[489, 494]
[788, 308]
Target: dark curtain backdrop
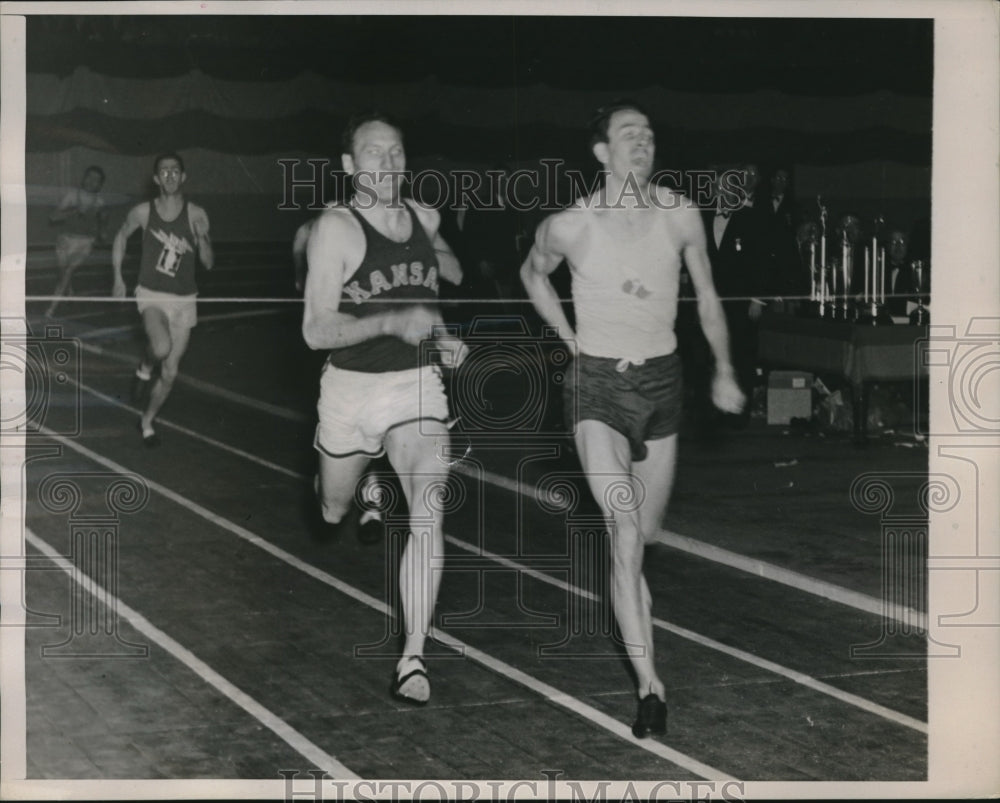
[846, 103]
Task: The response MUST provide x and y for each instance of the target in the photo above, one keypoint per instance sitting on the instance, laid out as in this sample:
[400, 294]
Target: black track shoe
[652, 717]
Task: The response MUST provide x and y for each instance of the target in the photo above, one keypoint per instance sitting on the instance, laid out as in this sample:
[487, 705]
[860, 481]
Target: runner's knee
[168, 371]
[424, 487]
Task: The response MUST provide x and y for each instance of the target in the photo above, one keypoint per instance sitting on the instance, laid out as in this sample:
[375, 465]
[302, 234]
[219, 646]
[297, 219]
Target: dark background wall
[846, 103]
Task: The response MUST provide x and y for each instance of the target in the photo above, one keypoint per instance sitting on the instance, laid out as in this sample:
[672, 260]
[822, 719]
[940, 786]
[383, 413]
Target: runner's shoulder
[338, 228]
[683, 212]
[139, 214]
[669, 199]
[563, 227]
[336, 217]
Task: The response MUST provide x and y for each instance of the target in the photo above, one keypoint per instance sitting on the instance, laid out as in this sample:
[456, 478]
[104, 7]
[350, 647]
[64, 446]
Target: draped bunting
[318, 132]
[846, 102]
[812, 57]
[151, 99]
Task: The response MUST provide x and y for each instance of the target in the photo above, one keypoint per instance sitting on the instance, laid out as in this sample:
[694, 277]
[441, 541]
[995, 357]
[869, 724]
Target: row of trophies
[831, 296]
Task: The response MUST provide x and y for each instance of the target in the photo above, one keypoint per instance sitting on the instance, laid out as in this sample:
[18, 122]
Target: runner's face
[630, 147]
[92, 181]
[779, 184]
[169, 176]
[897, 246]
[378, 158]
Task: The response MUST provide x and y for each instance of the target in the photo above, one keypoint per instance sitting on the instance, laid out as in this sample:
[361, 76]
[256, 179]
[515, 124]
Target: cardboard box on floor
[789, 395]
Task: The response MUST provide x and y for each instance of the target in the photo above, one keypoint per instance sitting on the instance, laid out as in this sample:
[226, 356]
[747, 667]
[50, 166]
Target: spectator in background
[906, 280]
[81, 216]
[751, 184]
[784, 268]
[782, 198]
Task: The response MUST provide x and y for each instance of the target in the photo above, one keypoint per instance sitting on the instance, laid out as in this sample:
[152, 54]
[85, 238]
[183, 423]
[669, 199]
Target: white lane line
[109, 331]
[759, 568]
[788, 577]
[316, 755]
[550, 693]
[41, 322]
[712, 644]
[48, 269]
[208, 387]
[206, 299]
[750, 658]
[744, 563]
[163, 422]
[798, 677]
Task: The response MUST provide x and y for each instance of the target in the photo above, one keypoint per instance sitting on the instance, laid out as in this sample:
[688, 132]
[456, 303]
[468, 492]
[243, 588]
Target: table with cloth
[860, 353]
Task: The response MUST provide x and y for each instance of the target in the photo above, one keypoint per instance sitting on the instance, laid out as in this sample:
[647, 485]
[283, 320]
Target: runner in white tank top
[624, 246]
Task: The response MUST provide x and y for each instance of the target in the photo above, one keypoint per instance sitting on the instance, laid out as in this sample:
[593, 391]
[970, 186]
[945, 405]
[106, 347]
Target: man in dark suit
[777, 206]
[906, 280]
[781, 198]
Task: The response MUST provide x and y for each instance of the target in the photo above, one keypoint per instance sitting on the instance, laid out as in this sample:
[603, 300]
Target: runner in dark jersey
[371, 299]
[81, 217]
[175, 231]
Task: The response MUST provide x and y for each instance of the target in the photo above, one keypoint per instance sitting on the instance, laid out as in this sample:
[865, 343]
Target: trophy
[873, 309]
[819, 297]
[842, 273]
[920, 316]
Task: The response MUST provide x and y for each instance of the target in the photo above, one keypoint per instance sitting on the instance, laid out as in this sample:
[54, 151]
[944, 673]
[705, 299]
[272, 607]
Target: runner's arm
[335, 243]
[449, 267]
[138, 216]
[199, 225]
[299, 246]
[448, 264]
[545, 256]
[725, 392]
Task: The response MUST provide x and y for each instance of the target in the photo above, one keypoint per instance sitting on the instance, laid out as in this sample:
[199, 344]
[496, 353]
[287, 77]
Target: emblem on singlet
[174, 248]
[635, 288]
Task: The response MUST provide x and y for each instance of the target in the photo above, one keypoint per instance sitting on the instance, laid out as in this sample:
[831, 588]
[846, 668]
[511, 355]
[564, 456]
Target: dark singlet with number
[168, 254]
[390, 275]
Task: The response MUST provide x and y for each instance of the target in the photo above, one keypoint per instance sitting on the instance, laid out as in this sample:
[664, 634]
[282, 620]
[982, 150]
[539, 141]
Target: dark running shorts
[643, 402]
